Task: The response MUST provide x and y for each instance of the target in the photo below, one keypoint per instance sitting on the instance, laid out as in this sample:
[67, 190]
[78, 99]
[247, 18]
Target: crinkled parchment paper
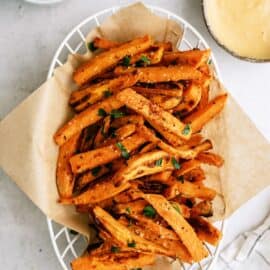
[28, 153]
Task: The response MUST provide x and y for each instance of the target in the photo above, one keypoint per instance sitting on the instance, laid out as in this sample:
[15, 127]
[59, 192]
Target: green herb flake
[126, 61]
[149, 211]
[186, 129]
[128, 210]
[176, 207]
[124, 152]
[117, 114]
[181, 178]
[115, 249]
[102, 112]
[175, 163]
[131, 244]
[95, 171]
[145, 60]
[107, 93]
[158, 162]
[91, 46]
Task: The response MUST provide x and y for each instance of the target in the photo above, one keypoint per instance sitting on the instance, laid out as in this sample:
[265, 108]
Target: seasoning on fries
[131, 156]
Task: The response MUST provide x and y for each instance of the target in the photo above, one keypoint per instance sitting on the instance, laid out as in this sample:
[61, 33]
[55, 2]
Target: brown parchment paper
[28, 154]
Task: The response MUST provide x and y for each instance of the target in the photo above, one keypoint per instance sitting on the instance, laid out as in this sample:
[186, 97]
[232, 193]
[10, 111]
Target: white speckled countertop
[30, 34]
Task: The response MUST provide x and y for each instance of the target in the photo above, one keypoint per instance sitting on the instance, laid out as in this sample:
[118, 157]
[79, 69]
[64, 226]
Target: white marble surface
[29, 37]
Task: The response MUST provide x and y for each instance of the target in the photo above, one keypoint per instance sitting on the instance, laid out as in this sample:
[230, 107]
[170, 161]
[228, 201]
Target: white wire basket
[67, 244]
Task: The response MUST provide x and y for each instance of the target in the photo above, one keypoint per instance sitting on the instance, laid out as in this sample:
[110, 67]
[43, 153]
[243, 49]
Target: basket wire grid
[68, 244]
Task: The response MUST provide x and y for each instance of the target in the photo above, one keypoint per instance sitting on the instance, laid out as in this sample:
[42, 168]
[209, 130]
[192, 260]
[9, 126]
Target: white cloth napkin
[249, 251]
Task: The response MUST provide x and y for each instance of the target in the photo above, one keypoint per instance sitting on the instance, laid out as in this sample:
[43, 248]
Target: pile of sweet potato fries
[131, 156]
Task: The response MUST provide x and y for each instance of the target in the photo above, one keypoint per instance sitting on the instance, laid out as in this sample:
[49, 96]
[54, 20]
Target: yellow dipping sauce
[242, 26]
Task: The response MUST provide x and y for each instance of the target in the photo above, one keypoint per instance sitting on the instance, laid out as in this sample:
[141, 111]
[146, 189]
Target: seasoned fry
[103, 43]
[81, 99]
[102, 132]
[148, 148]
[125, 131]
[205, 230]
[166, 45]
[125, 236]
[131, 119]
[195, 175]
[210, 159]
[131, 208]
[100, 156]
[105, 60]
[191, 98]
[113, 261]
[97, 193]
[85, 118]
[64, 177]
[199, 118]
[189, 190]
[203, 208]
[187, 166]
[162, 74]
[87, 138]
[179, 225]
[176, 92]
[153, 113]
[162, 177]
[166, 103]
[194, 58]
[194, 140]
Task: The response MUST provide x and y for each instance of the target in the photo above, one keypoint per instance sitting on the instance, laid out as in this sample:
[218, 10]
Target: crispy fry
[179, 225]
[194, 140]
[176, 92]
[131, 119]
[166, 103]
[97, 193]
[162, 74]
[100, 156]
[125, 131]
[205, 230]
[203, 208]
[199, 118]
[87, 138]
[128, 196]
[166, 45]
[131, 208]
[84, 119]
[204, 98]
[102, 62]
[187, 166]
[191, 98]
[162, 177]
[102, 132]
[153, 113]
[195, 175]
[125, 236]
[113, 261]
[210, 159]
[64, 177]
[103, 43]
[194, 58]
[148, 148]
[81, 99]
[189, 190]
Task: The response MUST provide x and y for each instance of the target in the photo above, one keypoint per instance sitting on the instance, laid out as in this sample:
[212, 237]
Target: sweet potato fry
[204, 98]
[85, 118]
[144, 164]
[131, 119]
[199, 118]
[179, 225]
[108, 59]
[191, 98]
[205, 230]
[103, 43]
[194, 140]
[162, 74]
[125, 131]
[153, 113]
[124, 235]
[129, 195]
[81, 99]
[100, 156]
[189, 190]
[166, 103]
[148, 148]
[162, 177]
[97, 193]
[187, 166]
[87, 138]
[64, 177]
[113, 261]
[130, 208]
[210, 159]
[102, 132]
[203, 208]
[195, 175]
[166, 45]
[194, 58]
[176, 92]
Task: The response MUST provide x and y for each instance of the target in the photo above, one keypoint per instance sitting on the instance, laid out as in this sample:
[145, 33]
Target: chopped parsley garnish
[117, 114]
[91, 46]
[176, 207]
[131, 244]
[175, 163]
[102, 112]
[115, 249]
[186, 129]
[124, 152]
[158, 162]
[149, 211]
[181, 178]
[143, 61]
[126, 61]
[107, 93]
[128, 210]
[95, 171]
